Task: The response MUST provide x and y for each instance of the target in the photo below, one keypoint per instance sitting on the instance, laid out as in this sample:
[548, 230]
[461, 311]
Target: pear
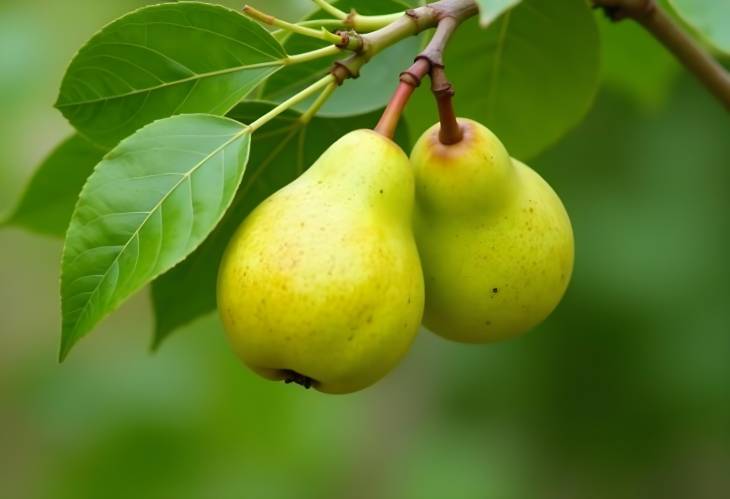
[495, 241]
[322, 284]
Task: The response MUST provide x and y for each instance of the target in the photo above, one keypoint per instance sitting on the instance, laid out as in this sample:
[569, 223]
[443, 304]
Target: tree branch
[448, 15]
[693, 56]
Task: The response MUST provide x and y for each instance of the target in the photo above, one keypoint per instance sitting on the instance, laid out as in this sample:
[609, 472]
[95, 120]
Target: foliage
[529, 71]
[49, 199]
[621, 394]
[164, 60]
[150, 202]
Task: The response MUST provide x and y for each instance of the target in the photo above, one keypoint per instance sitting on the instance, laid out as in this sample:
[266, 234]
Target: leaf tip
[156, 341]
[67, 343]
[161, 332]
[64, 351]
[57, 105]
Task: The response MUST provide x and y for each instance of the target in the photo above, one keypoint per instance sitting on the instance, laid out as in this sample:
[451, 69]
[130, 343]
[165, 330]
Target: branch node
[415, 73]
[410, 79]
[418, 18]
[344, 39]
[341, 72]
[348, 68]
[350, 19]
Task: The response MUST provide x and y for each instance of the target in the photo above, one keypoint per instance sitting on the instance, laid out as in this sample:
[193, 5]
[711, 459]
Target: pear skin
[322, 284]
[495, 241]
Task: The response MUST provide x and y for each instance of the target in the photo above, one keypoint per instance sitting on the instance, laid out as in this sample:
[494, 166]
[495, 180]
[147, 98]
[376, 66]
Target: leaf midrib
[196, 76]
[93, 292]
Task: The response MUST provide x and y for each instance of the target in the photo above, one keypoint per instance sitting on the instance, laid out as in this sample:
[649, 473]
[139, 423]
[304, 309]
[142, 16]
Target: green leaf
[709, 18]
[489, 10]
[370, 91]
[529, 77]
[150, 202]
[282, 149]
[163, 60]
[51, 195]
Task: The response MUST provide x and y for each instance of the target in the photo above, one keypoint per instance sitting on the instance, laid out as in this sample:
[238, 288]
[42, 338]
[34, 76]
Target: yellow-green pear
[495, 241]
[322, 284]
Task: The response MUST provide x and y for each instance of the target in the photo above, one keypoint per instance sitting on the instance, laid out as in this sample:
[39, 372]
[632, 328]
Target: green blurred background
[623, 393]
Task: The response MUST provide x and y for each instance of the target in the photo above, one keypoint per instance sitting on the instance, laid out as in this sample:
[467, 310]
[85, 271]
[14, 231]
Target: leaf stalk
[330, 9]
[319, 34]
[291, 102]
[318, 103]
[312, 55]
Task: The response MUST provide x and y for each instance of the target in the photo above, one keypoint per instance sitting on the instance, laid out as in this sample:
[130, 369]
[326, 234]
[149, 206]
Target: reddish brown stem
[389, 120]
[450, 131]
[409, 80]
[429, 61]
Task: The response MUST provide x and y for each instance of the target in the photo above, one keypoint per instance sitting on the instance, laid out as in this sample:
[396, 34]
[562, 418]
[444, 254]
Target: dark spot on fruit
[381, 191]
[349, 338]
[495, 290]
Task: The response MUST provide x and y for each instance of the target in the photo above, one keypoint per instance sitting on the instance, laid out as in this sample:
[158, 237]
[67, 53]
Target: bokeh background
[624, 392]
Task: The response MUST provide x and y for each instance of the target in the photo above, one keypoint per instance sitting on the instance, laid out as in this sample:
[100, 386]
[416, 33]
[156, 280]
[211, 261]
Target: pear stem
[409, 81]
[690, 53]
[389, 120]
[429, 61]
[450, 132]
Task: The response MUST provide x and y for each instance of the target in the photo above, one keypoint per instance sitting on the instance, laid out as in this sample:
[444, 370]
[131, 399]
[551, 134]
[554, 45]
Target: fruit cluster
[327, 281]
